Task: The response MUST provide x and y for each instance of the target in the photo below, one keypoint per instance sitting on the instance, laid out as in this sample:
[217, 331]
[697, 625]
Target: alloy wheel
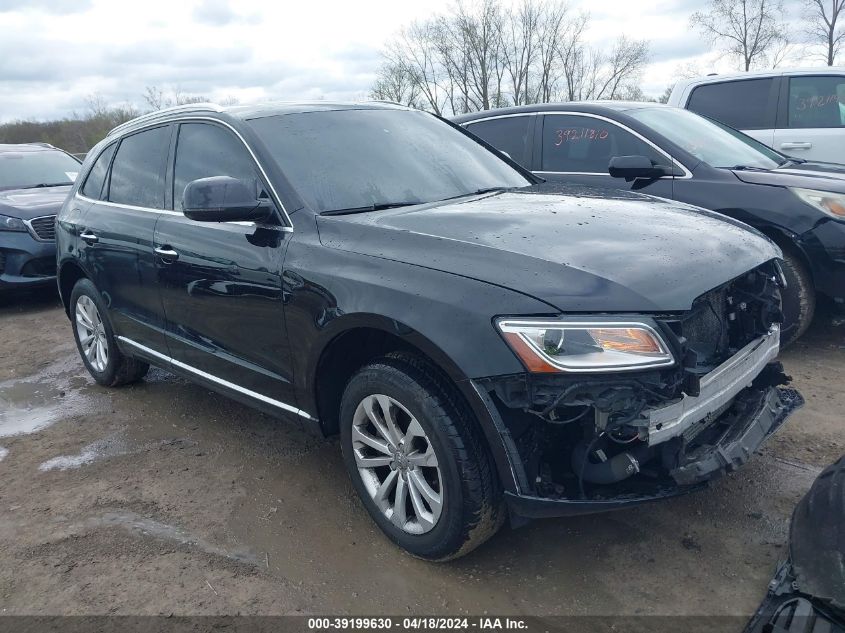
[397, 464]
[92, 333]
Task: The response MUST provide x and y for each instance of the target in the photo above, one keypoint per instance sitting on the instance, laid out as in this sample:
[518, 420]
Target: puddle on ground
[28, 405]
[111, 446]
[3, 453]
[145, 526]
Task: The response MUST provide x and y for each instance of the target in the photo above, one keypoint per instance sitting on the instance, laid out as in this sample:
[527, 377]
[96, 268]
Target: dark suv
[483, 343]
[35, 179]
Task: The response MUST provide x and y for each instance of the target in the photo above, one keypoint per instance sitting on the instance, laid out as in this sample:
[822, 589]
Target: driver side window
[204, 150]
[580, 144]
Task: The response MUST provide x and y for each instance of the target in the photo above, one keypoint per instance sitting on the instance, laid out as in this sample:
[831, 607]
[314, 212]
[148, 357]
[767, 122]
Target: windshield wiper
[376, 206]
[748, 168]
[795, 161]
[44, 185]
[478, 192]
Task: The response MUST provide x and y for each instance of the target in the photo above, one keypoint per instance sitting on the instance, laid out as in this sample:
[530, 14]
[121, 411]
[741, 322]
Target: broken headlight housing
[561, 346]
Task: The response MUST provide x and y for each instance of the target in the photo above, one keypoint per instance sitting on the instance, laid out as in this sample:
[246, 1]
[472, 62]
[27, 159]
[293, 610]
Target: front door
[221, 283]
[578, 148]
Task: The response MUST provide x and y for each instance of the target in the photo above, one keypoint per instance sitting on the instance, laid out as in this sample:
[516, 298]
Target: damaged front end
[615, 411]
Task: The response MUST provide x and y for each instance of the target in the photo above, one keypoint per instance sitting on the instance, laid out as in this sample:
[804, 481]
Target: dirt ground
[166, 498]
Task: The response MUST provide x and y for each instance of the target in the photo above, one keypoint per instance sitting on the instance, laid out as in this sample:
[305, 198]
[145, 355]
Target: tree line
[484, 54]
[80, 131]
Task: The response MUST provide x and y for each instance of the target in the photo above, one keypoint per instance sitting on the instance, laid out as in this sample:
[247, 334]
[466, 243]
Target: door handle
[794, 145]
[166, 253]
[88, 237]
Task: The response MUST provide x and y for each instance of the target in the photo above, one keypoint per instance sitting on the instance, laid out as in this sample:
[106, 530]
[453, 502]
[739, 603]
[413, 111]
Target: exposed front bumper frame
[773, 407]
[717, 389]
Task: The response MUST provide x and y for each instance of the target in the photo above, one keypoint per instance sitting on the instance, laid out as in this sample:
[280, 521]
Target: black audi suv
[486, 345]
[35, 179]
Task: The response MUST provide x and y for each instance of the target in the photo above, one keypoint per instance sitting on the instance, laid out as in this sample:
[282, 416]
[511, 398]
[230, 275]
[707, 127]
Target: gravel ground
[166, 498]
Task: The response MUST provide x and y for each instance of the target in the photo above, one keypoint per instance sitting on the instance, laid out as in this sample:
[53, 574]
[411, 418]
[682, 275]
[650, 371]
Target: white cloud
[54, 53]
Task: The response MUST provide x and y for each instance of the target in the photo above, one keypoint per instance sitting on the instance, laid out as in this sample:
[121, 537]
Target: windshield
[359, 159]
[710, 142]
[23, 170]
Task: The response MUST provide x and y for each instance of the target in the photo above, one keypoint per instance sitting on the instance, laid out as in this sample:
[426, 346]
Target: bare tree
[158, 98]
[749, 29]
[823, 26]
[482, 55]
[395, 83]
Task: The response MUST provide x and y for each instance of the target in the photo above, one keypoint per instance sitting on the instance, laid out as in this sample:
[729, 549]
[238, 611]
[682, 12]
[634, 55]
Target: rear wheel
[418, 460]
[95, 339]
[799, 299]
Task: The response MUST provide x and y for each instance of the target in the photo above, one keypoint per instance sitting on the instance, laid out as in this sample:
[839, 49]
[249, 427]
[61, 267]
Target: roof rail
[152, 116]
[42, 144]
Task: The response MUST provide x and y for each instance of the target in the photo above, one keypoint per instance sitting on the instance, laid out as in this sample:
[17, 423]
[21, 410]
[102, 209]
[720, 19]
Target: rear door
[578, 148]
[811, 124]
[126, 187]
[749, 105]
[221, 283]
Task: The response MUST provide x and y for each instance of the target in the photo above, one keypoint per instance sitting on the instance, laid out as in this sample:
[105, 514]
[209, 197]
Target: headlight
[832, 204]
[11, 224]
[550, 346]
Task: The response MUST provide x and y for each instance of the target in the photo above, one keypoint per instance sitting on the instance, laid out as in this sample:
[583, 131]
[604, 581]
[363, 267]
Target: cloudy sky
[54, 54]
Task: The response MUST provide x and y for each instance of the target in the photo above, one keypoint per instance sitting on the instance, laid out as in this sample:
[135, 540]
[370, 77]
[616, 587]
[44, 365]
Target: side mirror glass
[223, 199]
[633, 167]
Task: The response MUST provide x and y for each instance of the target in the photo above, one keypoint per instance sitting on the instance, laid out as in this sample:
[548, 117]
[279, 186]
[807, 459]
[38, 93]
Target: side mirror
[223, 199]
[633, 167]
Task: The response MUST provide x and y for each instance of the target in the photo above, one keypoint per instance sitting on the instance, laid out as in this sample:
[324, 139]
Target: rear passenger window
[137, 174]
[205, 150]
[816, 102]
[579, 144]
[93, 187]
[508, 134]
[743, 105]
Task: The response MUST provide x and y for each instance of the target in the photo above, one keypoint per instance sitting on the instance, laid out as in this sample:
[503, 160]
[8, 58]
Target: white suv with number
[799, 112]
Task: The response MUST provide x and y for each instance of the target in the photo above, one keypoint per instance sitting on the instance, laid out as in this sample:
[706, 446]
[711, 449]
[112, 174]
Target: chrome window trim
[687, 173]
[31, 230]
[220, 381]
[170, 118]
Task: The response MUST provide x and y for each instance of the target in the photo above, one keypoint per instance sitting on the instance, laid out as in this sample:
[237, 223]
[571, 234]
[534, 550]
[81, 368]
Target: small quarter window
[93, 187]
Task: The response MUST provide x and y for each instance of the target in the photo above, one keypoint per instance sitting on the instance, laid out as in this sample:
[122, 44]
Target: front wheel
[417, 459]
[799, 299]
[95, 339]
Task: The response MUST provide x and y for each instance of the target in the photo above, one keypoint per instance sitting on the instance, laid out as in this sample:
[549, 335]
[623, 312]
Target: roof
[25, 147]
[772, 72]
[595, 107]
[253, 111]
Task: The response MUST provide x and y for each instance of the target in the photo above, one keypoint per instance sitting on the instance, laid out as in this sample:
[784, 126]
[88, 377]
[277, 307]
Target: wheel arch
[360, 339]
[70, 272]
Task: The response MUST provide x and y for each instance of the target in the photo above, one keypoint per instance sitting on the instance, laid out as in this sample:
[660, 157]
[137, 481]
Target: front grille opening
[44, 227]
[726, 319]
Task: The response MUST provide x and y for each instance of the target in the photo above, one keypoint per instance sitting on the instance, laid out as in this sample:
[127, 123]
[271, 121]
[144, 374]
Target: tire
[106, 364]
[799, 299]
[471, 508]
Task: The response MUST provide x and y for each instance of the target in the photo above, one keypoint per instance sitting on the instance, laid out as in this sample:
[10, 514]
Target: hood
[822, 176]
[32, 203]
[577, 249]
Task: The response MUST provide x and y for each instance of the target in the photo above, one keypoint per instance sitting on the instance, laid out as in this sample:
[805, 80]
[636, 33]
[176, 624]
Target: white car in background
[800, 112]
